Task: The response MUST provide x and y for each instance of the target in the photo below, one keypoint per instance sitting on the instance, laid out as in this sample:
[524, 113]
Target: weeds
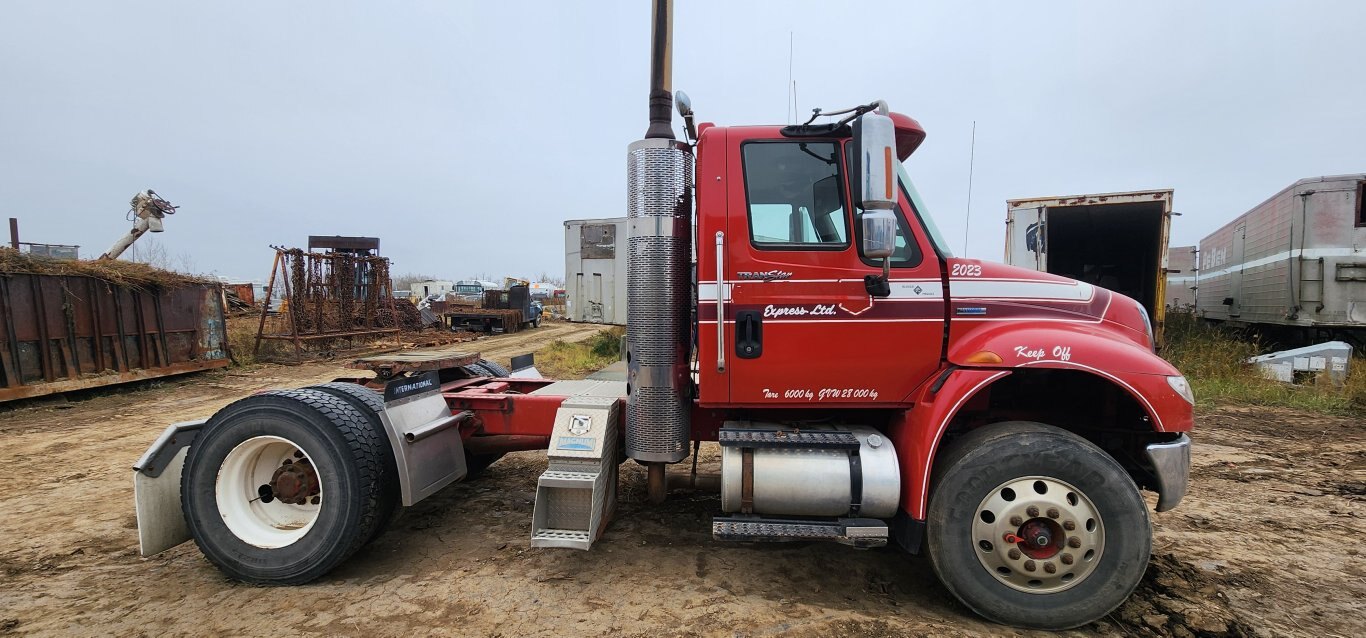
[1215, 362]
[561, 360]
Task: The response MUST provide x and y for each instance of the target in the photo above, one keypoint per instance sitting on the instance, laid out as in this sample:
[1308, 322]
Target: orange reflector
[887, 157]
[984, 356]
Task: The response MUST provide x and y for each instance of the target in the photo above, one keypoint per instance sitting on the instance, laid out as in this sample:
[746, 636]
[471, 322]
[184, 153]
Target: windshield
[469, 289]
[925, 218]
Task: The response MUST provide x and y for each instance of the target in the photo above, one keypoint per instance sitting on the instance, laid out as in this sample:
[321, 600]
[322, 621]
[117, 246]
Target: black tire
[477, 370]
[347, 457]
[494, 369]
[972, 467]
[371, 404]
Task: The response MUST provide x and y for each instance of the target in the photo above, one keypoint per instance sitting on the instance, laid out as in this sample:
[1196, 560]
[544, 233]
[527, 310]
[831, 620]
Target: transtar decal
[765, 276]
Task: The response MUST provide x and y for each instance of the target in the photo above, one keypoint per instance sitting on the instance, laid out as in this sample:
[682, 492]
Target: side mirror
[879, 233]
[875, 157]
[879, 242]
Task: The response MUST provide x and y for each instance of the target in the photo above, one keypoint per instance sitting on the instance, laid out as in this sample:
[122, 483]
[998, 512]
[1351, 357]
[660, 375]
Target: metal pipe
[661, 71]
[500, 444]
[656, 487]
[703, 481]
[436, 426]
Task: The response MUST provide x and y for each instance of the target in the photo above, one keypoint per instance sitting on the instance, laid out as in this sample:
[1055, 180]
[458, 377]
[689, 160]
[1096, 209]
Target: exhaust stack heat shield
[659, 213]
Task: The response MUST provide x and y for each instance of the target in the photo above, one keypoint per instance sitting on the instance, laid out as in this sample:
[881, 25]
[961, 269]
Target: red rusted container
[63, 333]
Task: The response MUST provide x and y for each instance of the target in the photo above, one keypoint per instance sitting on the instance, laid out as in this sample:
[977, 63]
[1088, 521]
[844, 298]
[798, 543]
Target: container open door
[1026, 239]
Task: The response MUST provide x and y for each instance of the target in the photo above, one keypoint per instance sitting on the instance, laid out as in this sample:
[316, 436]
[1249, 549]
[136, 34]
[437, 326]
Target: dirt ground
[1267, 543]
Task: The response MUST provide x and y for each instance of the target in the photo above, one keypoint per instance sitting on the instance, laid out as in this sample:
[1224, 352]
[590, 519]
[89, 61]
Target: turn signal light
[985, 357]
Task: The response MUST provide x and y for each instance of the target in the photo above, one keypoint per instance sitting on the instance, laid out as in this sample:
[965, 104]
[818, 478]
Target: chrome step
[856, 532]
[806, 440]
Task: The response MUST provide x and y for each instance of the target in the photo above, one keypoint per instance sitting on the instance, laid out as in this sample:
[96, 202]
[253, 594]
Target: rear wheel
[1033, 526]
[281, 487]
[371, 404]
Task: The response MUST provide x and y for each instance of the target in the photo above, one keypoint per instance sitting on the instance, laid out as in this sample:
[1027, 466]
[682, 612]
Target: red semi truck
[864, 385]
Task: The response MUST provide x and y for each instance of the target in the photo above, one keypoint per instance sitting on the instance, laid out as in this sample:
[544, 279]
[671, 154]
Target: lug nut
[1066, 559]
[298, 454]
[1014, 554]
[317, 499]
[1029, 565]
[1053, 512]
[1016, 521]
[1033, 512]
[1050, 568]
[1069, 525]
[1074, 542]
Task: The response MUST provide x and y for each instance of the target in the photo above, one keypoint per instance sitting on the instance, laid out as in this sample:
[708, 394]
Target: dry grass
[1215, 362]
[120, 273]
[561, 360]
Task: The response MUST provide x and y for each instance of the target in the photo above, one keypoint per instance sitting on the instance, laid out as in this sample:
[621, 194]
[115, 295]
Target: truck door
[803, 328]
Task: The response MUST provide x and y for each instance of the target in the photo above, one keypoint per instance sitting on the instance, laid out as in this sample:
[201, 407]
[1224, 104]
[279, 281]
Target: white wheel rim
[1069, 529]
[265, 522]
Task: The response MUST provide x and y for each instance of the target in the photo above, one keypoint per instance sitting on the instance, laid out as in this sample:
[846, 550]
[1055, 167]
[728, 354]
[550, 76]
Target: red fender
[916, 433]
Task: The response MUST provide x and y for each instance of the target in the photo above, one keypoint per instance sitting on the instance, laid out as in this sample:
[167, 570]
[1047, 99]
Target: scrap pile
[127, 274]
[327, 297]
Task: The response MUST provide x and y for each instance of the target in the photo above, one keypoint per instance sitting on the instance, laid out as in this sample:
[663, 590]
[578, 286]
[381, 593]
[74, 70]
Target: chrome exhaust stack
[659, 176]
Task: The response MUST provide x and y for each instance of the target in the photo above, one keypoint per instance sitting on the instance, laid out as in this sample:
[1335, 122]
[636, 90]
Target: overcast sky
[462, 134]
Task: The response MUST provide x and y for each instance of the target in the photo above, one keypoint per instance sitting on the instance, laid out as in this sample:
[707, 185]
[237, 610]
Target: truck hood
[989, 292]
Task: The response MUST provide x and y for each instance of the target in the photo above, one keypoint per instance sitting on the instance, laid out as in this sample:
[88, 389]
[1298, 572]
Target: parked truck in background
[1294, 266]
[865, 386]
[1117, 241]
[472, 290]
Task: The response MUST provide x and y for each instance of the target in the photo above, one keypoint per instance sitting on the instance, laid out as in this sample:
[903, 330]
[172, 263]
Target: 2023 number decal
[966, 270]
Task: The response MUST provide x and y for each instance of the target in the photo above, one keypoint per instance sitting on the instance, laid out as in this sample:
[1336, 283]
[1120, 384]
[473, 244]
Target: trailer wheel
[281, 487]
[371, 404]
[1033, 526]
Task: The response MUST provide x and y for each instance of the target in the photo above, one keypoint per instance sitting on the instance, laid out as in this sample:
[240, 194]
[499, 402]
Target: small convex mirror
[879, 233]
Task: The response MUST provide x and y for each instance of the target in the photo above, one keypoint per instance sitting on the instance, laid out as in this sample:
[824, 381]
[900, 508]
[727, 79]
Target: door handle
[720, 301]
[749, 334]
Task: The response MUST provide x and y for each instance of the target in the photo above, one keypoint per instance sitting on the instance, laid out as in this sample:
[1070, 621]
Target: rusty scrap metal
[327, 297]
[60, 333]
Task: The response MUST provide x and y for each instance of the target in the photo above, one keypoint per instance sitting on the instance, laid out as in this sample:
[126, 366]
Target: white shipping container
[595, 270]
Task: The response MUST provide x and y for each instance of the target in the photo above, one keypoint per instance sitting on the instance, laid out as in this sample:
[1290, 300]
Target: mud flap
[156, 489]
[424, 435]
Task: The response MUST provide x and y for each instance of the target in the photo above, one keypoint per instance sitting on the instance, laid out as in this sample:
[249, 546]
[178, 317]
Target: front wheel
[1033, 526]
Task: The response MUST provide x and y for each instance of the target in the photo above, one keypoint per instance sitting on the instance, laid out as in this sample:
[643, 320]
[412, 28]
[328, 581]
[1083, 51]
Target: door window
[795, 196]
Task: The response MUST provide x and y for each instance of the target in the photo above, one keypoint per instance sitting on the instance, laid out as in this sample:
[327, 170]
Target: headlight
[1182, 387]
[1147, 325]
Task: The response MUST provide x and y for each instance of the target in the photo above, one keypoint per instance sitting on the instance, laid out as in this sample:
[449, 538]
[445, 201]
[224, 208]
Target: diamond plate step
[857, 532]
[806, 440]
[582, 480]
[570, 538]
